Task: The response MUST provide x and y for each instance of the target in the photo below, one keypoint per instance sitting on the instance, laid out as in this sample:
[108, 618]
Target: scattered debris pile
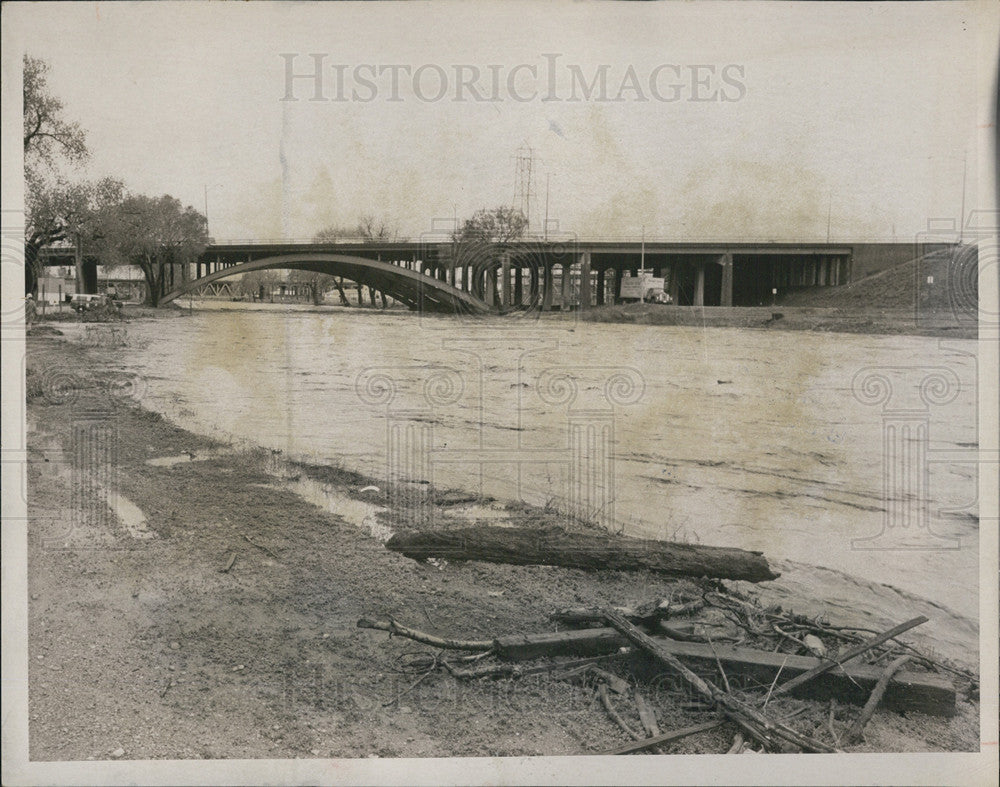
[726, 655]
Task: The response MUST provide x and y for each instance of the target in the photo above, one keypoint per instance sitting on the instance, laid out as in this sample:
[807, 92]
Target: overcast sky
[717, 120]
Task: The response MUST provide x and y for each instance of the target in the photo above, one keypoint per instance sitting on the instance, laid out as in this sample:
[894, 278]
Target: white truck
[643, 287]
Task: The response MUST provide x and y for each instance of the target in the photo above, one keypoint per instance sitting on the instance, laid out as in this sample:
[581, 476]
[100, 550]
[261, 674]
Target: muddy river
[847, 459]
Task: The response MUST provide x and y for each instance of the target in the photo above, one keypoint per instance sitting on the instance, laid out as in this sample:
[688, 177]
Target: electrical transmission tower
[524, 187]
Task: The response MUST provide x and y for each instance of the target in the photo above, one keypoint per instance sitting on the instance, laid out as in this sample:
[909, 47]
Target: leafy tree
[318, 283]
[252, 283]
[55, 209]
[334, 233]
[159, 235]
[497, 225]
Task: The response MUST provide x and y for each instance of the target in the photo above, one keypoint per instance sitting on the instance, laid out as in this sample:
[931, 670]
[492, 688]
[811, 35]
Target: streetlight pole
[206, 188]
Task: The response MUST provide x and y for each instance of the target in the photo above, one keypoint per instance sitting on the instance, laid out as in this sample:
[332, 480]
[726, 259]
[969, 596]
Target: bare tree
[374, 229]
[46, 133]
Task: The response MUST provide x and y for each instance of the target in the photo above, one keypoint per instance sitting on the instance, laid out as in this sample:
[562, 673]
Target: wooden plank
[853, 683]
[828, 664]
[628, 748]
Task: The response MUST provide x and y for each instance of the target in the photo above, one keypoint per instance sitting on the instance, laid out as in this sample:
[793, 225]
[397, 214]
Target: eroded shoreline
[270, 648]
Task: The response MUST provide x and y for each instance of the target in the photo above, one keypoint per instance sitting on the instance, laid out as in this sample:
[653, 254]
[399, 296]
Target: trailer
[643, 287]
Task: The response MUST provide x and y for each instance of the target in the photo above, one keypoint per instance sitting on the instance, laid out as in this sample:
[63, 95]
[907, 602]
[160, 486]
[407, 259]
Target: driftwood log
[556, 547]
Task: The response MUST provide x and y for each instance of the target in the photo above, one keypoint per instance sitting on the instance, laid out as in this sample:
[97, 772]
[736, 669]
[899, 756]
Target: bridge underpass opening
[756, 276]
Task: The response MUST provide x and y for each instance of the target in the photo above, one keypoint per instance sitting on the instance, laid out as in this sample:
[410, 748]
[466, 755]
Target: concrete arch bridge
[548, 274]
[414, 288]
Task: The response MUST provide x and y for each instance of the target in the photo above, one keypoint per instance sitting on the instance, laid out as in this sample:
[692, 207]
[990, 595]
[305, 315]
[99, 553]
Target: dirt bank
[932, 295]
[842, 319]
[143, 646]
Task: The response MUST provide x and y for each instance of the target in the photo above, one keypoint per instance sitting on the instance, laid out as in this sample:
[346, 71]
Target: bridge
[534, 273]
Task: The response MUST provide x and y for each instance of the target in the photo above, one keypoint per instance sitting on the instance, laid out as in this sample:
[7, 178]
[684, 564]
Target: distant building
[58, 283]
[129, 280]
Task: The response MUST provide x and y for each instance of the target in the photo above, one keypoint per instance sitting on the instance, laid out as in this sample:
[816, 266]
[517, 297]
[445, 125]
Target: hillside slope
[903, 286]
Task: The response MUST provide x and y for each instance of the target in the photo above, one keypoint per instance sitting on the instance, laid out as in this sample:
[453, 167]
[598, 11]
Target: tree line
[99, 218]
[157, 234]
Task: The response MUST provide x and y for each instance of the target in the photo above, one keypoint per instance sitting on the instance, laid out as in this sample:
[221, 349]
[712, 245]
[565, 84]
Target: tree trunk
[555, 547]
[32, 270]
[340, 290]
[152, 285]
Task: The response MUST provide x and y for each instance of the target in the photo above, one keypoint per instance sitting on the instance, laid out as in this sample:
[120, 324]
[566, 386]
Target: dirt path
[141, 646]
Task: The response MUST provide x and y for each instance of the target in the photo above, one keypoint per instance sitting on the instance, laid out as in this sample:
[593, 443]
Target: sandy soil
[141, 646]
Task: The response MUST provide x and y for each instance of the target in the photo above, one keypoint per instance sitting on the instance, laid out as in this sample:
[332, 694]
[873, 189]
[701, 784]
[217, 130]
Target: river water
[767, 440]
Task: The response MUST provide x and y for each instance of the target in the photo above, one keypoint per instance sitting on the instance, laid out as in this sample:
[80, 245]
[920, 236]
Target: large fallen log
[555, 547]
[852, 683]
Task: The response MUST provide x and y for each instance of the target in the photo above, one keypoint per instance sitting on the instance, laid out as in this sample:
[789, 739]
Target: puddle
[497, 514]
[358, 512]
[130, 515]
[190, 456]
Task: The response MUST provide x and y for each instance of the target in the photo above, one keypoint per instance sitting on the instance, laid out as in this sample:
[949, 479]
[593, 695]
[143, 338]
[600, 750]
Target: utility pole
[961, 218]
[829, 215]
[206, 210]
[523, 181]
[545, 231]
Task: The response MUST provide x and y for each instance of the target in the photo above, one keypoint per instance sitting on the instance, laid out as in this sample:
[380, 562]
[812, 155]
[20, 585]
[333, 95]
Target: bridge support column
[491, 287]
[567, 272]
[78, 265]
[518, 286]
[726, 297]
[600, 286]
[585, 287]
[505, 278]
[546, 286]
[699, 285]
